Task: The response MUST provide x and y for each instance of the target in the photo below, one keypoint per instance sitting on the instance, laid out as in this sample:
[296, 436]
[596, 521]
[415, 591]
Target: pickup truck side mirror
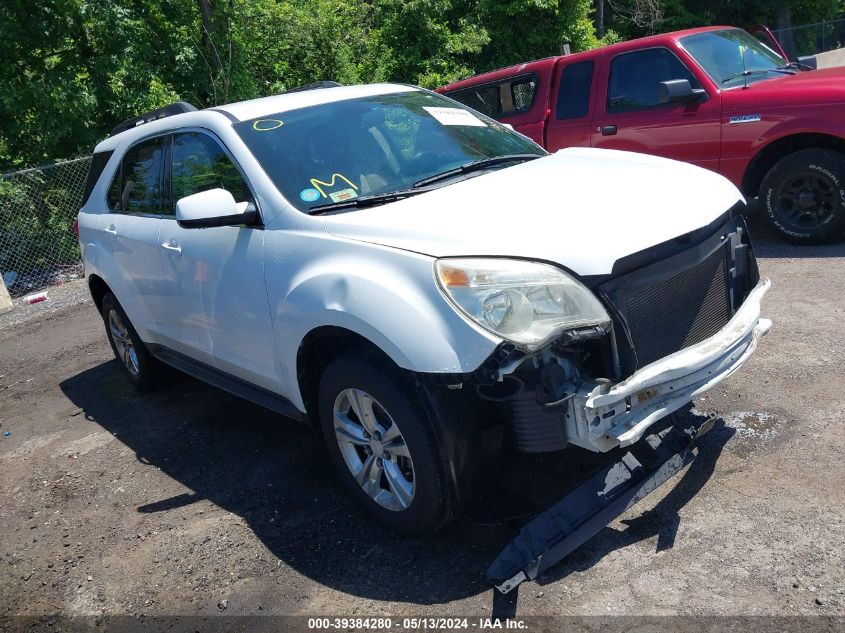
[680, 91]
[214, 207]
[808, 62]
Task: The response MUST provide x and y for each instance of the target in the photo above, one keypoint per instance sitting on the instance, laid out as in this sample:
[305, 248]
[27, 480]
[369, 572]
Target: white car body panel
[579, 208]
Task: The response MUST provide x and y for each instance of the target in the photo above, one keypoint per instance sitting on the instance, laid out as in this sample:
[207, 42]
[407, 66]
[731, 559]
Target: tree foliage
[71, 69]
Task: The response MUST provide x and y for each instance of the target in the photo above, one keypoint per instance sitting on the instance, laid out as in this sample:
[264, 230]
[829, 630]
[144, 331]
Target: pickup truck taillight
[76, 229]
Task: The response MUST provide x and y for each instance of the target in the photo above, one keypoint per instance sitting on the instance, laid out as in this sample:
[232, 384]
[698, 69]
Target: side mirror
[808, 62]
[680, 91]
[214, 207]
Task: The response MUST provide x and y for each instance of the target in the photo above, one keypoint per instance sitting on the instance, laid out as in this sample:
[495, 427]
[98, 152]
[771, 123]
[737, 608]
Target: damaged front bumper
[602, 417]
[577, 517]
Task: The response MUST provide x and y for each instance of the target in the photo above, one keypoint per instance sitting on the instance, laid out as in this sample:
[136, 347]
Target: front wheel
[382, 446]
[803, 196]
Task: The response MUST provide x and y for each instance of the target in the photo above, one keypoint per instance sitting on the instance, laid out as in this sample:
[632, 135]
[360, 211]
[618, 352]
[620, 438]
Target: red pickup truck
[716, 97]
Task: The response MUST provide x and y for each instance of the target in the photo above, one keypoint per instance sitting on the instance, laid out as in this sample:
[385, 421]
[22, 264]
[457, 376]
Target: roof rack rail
[315, 86]
[153, 115]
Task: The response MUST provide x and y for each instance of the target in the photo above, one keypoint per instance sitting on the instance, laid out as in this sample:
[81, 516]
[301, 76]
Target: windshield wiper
[756, 71]
[477, 165]
[365, 201]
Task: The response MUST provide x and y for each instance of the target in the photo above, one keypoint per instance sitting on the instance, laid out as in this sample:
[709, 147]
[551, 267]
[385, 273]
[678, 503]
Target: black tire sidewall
[828, 163]
[429, 510]
[143, 379]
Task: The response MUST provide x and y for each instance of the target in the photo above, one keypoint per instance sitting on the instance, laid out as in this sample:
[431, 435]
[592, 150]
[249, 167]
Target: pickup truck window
[573, 95]
[509, 96]
[485, 99]
[733, 57]
[522, 94]
[635, 78]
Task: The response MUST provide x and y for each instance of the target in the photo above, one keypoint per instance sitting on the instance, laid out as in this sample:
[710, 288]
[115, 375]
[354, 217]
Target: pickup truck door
[220, 312]
[630, 117]
[570, 117]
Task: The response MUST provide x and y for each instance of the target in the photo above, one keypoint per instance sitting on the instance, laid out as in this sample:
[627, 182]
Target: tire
[407, 491]
[137, 364]
[803, 196]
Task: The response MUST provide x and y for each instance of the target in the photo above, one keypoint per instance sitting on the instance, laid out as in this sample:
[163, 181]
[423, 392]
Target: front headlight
[523, 302]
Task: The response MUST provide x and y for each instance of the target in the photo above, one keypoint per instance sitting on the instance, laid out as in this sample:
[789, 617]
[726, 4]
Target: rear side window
[137, 187]
[635, 78]
[200, 163]
[522, 94]
[573, 95]
[510, 96]
[485, 99]
[95, 170]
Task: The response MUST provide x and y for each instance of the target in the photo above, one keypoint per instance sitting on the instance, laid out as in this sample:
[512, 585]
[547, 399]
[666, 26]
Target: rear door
[630, 117]
[130, 234]
[570, 121]
[216, 274]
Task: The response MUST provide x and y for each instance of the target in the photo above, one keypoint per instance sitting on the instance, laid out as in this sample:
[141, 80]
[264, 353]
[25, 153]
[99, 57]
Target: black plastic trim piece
[180, 107]
[676, 245]
[227, 382]
[226, 114]
[580, 515]
[95, 170]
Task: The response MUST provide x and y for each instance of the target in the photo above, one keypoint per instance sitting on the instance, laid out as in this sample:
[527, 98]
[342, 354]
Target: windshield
[340, 151]
[726, 55]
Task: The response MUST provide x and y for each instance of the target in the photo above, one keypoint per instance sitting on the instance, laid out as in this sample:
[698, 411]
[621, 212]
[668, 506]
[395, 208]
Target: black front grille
[679, 310]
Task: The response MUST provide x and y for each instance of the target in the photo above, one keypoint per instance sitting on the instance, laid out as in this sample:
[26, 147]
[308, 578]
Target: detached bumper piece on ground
[579, 516]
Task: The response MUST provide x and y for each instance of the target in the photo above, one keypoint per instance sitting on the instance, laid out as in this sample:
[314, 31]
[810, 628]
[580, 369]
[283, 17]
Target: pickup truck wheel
[128, 348]
[382, 446]
[803, 196]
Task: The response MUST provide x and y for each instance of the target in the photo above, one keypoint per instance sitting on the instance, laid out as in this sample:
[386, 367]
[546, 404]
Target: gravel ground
[190, 501]
[59, 298]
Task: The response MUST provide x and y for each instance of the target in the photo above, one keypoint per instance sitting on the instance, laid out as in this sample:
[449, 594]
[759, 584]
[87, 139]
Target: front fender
[385, 295]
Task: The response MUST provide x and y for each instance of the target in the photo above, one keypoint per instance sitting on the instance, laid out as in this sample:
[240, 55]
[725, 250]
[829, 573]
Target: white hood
[582, 208]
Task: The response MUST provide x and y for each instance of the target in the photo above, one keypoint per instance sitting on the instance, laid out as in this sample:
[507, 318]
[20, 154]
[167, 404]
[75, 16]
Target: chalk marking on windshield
[316, 183]
[265, 125]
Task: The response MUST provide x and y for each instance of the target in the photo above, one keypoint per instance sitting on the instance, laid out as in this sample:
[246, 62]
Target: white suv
[417, 280]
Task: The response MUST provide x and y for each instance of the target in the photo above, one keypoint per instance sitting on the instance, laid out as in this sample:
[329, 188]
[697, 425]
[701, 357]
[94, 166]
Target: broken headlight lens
[526, 303]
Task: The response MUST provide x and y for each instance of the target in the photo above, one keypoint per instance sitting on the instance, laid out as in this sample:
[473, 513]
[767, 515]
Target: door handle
[111, 230]
[608, 130]
[172, 246]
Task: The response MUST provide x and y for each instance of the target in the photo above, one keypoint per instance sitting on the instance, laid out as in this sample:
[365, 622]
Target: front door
[630, 116]
[217, 273]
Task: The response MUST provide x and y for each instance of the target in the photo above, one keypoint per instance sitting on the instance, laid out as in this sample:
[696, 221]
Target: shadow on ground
[274, 474]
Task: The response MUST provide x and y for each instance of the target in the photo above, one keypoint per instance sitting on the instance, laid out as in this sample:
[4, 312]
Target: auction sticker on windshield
[454, 116]
[343, 194]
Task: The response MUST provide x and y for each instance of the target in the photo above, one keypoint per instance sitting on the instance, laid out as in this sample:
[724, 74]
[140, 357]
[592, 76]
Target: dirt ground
[191, 501]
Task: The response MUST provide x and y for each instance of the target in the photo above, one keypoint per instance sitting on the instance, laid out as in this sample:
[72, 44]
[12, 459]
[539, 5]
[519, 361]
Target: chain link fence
[811, 39]
[38, 207]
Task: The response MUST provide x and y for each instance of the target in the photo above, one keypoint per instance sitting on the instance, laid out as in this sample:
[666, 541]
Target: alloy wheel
[373, 449]
[123, 345]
